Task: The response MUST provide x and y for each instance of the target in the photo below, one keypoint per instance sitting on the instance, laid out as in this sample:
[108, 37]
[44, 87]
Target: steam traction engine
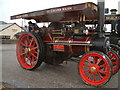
[114, 20]
[66, 36]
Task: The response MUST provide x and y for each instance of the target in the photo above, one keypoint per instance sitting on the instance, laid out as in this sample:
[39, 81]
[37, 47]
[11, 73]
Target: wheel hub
[27, 50]
[93, 69]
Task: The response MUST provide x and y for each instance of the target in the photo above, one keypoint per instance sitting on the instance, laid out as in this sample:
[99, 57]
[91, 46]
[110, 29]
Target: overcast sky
[13, 7]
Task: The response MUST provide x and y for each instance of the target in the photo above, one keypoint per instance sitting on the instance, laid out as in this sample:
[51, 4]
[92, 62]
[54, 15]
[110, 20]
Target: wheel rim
[94, 69]
[115, 61]
[27, 51]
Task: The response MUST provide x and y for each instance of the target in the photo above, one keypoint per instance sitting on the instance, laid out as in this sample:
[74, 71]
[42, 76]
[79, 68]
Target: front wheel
[95, 68]
[30, 51]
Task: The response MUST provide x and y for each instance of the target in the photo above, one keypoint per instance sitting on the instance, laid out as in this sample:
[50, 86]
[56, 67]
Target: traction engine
[70, 35]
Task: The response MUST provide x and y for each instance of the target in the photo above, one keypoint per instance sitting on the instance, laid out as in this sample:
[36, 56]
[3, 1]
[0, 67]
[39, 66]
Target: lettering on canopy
[112, 17]
[59, 10]
[20, 16]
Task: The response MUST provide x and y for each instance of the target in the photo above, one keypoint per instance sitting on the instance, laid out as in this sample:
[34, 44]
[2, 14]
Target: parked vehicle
[114, 35]
[113, 19]
[70, 34]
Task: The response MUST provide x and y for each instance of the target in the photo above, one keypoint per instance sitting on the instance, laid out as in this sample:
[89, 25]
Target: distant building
[2, 22]
[8, 30]
[119, 7]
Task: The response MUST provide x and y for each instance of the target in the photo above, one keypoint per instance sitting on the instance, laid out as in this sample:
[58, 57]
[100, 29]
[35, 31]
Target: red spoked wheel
[30, 51]
[113, 56]
[95, 68]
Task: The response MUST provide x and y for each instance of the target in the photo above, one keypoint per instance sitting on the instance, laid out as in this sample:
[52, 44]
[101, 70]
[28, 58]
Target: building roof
[2, 22]
[3, 26]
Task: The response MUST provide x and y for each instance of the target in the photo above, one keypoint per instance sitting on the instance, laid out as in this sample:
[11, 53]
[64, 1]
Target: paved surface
[46, 76]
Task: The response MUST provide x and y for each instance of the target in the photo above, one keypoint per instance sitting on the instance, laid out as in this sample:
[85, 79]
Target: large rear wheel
[95, 68]
[30, 51]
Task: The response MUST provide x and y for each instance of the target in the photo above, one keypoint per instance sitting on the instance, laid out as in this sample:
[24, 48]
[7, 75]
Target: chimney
[119, 7]
[101, 20]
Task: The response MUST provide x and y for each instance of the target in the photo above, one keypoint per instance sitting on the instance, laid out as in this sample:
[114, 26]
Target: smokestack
[119, 7]
[101, 20]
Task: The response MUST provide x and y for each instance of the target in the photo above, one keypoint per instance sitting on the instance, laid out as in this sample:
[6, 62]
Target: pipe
[80, 43]
[101, 20]
[119, 7]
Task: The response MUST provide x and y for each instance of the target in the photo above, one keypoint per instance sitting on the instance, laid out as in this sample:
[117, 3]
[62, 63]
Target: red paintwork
[86, 64]
[27, 60]
[47, 38]
[115, 61]
[72, 49]
[58, 48]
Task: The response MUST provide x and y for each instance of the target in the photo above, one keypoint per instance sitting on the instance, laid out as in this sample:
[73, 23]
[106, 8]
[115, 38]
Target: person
[32, 27]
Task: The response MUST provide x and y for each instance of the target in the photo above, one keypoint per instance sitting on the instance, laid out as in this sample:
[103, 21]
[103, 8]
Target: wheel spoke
[28, 39]
[114, 62]
[34, 48]
[36, 52]
[100, 75]
[94, 77]
[89, 62]
[90, 75]
[32, 61]
[85, 65]
[23, 48]
[30, 58]
[31, 42]
[34, 56]
[98, 61]
[112, 58]
[22, 54]
[33, 51]
[23, 43]
[103, 65]
[103, 72]
[86, 71]
[95, 60]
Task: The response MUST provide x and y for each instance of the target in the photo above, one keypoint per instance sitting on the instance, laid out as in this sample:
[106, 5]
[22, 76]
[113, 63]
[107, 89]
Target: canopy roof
[108, 19]
[70, 13]
[112, 17]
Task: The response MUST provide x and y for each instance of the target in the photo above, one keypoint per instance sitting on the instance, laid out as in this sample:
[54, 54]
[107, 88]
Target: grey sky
[13, 7]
